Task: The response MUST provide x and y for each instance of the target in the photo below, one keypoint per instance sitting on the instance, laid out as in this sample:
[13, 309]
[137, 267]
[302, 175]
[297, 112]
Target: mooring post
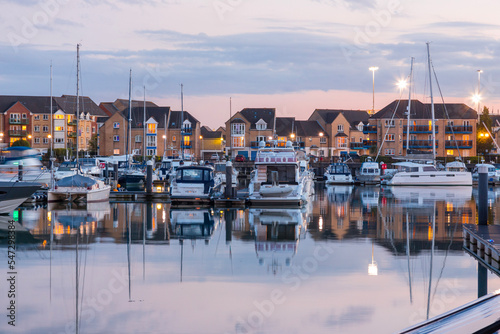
[482, 190]
[115, 174]
[20, 171]
[149, 176]
[229, 179]
[229, 217]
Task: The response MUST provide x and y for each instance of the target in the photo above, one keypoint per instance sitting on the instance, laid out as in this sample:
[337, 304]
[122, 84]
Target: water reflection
[160, 261]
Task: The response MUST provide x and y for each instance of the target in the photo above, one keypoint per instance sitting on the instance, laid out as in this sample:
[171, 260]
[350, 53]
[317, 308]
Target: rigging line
[83, 279]
[389, 127]
[446, 111]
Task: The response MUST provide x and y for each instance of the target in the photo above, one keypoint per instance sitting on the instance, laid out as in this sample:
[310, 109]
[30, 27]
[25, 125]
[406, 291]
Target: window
[322, 140]
[24, 116]
[238, 141]
[449, 152]
[238, 129]
[151, 141]
[342, 142]
[450, 123]
[45, 128]
[340, 128]
[465, 137]
[116, 138]
[186, 140]
[466, 123]
[60, 117]
[93, 130]
[37, 117]
[389, 123]
[261, 126]
[299, 139]
[45, 140]
[116, 125]
[360, 139]
[174, 138]
[151, 128]
[138, 139]
[116, 151]
[151, 151]
[59, 140]
[353, 139]
[88, 129]
[261, 138]
[14, 116]
[360, 127]
[59, 128]
[37, 140]
[389, 137]
[389, 151]
[81, 141]
[45, 117]
[37, 128]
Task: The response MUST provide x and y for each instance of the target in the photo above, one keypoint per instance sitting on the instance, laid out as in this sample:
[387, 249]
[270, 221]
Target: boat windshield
[87, 162]
[370, 171]
[67, 166]
[339, 169]
[193, 175]
[220, 168]
[286, 174]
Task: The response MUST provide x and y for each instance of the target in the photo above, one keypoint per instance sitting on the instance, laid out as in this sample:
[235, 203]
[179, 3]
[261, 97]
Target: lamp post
[320, 143]
[201, 152]
[29, 137]
[373, 69]
[292, 137]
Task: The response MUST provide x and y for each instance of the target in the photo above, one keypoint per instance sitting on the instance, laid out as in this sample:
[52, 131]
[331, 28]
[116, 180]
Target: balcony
[459, 129]
[420, 144]
[299, 144]
[73, 122]
[18, 121]
[356, 146]
[369, 143]
[185, 131]
[254, 144]
[369, 129]
[467, 144]
[420, 129]
[18, 133]
[185, 144]
[72, 134]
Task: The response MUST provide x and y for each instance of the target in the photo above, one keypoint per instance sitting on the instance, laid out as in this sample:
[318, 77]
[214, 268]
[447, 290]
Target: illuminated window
[389, 137]
[23, 127]
[238, 129]
[342, 142]
[59, 128]
[174, 138]
[152, 128]
[60, 117]
[449, 152]
[187, 140]
[238, 141]
[116, 151]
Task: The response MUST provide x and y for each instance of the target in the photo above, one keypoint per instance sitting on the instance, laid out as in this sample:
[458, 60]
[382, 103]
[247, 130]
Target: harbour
[352, 259]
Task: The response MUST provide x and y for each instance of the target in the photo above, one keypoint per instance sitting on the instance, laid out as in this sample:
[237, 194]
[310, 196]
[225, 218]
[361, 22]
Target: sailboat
[79, 187]
[411, 173]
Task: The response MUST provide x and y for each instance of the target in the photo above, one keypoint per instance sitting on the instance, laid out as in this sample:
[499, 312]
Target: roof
[300, 128]
[159, 114]
[253, 115]
[354, 117]
[35, 104]
[207, 133]
[121, 104]
[421, 110]
[68, 104]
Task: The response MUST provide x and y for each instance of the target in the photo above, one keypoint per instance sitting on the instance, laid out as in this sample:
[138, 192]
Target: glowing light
[476, 98]
[373, 269]
[158, 206]
[320, 223]
[401, 84]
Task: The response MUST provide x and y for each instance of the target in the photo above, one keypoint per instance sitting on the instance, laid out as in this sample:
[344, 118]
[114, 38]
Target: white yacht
[456, 166]
[220, 171]
[278, 179]
[90, 166]
[79, 188]
[417, 174]
[193, 183]
[338, 173]
[492, 173]
[369, 173]
[65, 169]
[14, 193]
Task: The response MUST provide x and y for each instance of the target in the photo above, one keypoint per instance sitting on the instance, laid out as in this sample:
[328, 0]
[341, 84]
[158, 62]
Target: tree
[21, 142]
[484, 140]
[93, 145]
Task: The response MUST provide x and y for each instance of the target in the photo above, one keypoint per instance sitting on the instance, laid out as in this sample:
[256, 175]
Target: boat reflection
[277, 234]
[339, 193]
[425, 196]
[192, 224]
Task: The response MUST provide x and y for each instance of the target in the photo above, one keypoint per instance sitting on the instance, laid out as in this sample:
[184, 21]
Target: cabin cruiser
[14, 193]
[90, 166]
[456, 166]
[278, 178]
[65, 169]
[220, 171]
[417, 174]
[338, 173]
[193, 183]
[79, 188]
[369, 173]
[492, 173]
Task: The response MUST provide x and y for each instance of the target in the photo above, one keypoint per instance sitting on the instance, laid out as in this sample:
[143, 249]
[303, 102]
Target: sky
[294, 56]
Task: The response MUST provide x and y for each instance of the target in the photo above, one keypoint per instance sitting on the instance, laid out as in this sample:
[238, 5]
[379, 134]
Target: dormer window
[340, 128]
[261, 125]
[360, 127]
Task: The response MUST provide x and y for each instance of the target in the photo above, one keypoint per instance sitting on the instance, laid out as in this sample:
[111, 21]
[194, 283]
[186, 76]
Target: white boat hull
[339, 179]
[78, 193]
[431, 178]
[7, 206]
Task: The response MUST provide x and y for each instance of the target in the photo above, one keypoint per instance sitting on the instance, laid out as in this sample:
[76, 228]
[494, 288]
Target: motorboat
[338, 173]
[417, 174]
[32, 168]
[220, 171]
[369, 173]
[14, 193]
[279, 178]
[79, 188]
[90, 166]
[492, 173]
[193, 183]
[456, 166]
[65, 169]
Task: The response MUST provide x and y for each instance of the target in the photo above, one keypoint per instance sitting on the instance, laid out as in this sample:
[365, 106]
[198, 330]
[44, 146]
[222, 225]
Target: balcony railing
[458, 129]
[18, 121]
[356, 146]
[369, 143]
[185, 131]
[420, 144]
[459, 143]
[369, 129]
[420, 129]
[254, 144]
[185, 144]
[18, 133]
[72, 134]
[72, 122]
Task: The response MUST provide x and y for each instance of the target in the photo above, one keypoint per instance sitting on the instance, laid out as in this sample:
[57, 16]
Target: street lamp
[373, 69]
[164, 145]
[320, 142]
[201, 153]
[29, 137]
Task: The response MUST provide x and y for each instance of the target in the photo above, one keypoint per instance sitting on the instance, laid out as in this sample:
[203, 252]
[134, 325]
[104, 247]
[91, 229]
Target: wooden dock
[483, 242]
[138, 195]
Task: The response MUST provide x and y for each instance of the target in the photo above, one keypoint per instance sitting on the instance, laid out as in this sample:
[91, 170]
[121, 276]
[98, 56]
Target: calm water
[357, 259]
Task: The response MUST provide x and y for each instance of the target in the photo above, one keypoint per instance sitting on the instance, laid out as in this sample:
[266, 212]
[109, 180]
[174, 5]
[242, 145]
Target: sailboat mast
[129, 114]
[77, 99]
[230, 130]
[51, 118]
[182, 121]
[409, 109]
[144, 128]
[432, 107]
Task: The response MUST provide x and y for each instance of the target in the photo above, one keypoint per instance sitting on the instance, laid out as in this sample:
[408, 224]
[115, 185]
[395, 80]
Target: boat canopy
[76, 180]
